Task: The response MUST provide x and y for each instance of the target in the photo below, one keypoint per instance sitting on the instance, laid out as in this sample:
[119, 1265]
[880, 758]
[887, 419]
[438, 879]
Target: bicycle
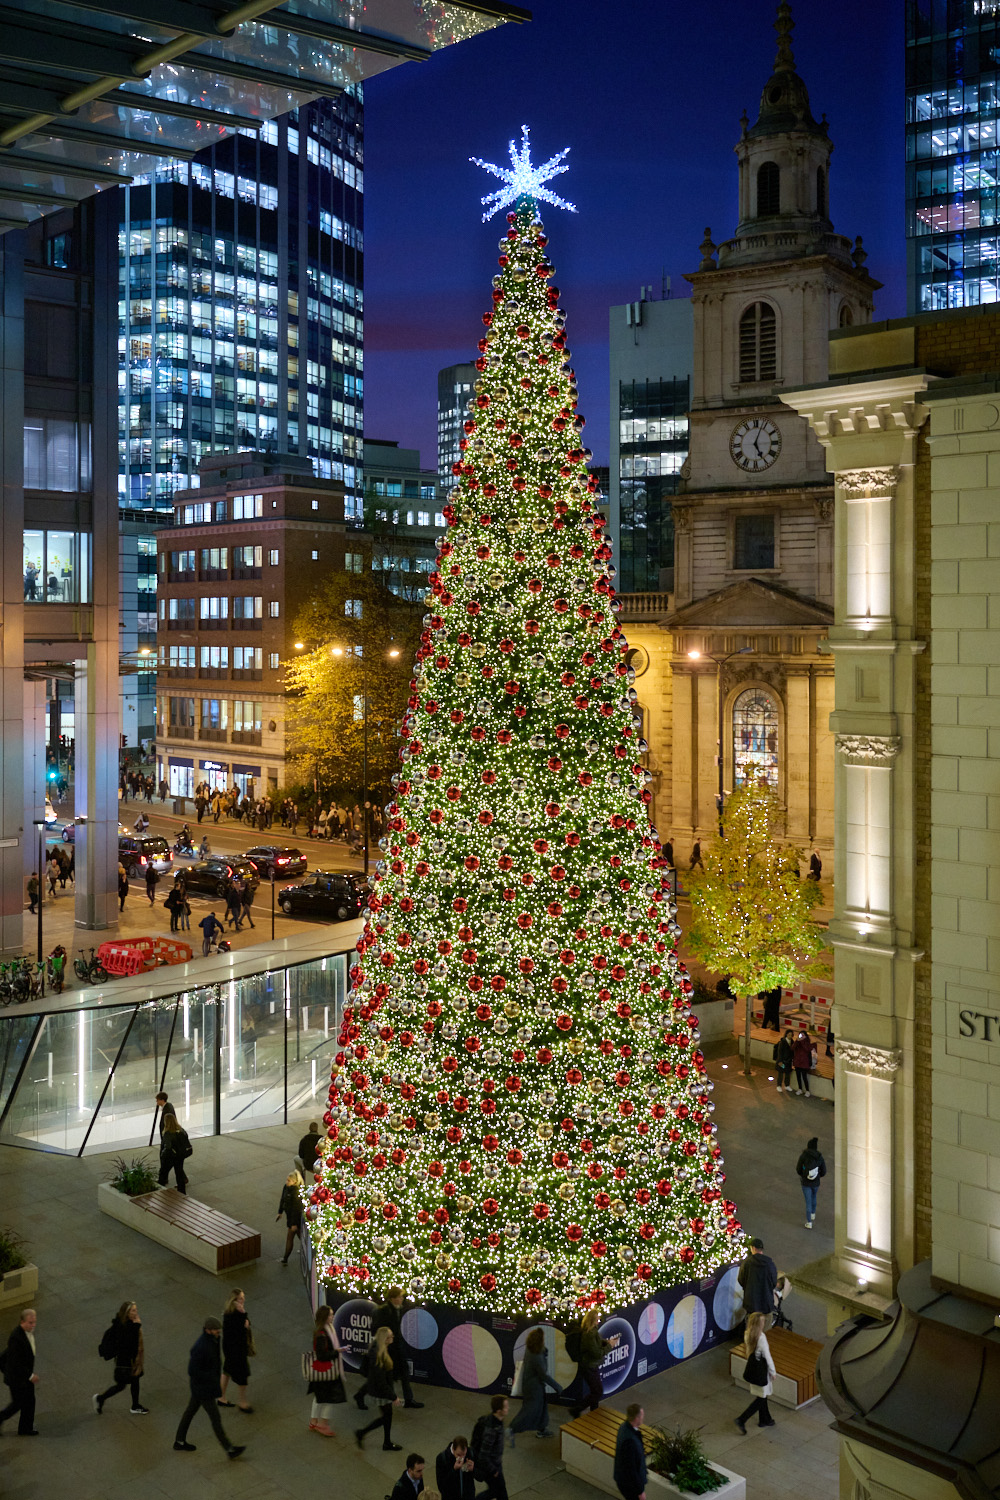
[90, 970]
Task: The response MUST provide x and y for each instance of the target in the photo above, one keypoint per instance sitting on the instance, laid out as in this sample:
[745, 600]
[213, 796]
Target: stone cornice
[878, 1062]
[868, 749]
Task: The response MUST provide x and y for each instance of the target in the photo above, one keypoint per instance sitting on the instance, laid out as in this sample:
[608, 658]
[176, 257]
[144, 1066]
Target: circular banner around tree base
[477, 1351]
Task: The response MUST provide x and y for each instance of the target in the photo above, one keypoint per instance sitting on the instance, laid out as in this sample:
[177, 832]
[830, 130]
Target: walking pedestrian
[165, 1108]
[380, 1383]
[802, 1061]
[209, 925]
[152, 881]
[772, 1008]
[122, 887]
[534, 1413]
[696, 862]
[52, 874]
[123, 1341]
[234, 905]
[175, 1148]
[630, 1455]
[290, 1205]
[204, 848]
[758, 1276]
[204, 1370]
[815, 866]
[759, 1373]
[33, 892]
[811, 1169]
[306, 1156]
[326, 1368]
[246, 896]
[173, 902]
[783, 1054]
[184, 910]
[19, 1374]
[454, 1470]
[237, 1348]
[592, 1351]
[390, 1315]
[411, 1482]
[487, 1446]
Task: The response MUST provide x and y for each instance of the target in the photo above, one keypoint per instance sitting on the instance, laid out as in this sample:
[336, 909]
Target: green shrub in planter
[12, 1247]
[133, 1177]
[679, 1457]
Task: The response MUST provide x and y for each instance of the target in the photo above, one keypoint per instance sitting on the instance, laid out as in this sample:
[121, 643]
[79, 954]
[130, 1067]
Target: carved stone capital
[868, 484]
[868, 749]
[878, 1062]
[682, 518]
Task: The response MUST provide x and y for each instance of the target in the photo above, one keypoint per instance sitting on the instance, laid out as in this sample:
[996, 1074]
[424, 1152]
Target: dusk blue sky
[648, 94]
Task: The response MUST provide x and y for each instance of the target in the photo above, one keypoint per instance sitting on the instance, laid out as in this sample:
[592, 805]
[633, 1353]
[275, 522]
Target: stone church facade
[740, 646]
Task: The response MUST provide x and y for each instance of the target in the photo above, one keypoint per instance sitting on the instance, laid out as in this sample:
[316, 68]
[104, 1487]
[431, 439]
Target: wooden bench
[794, 1361]
[587, 1448]
[201, 1234]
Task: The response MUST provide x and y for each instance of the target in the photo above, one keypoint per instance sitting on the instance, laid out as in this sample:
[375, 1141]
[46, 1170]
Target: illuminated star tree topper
[522, 179]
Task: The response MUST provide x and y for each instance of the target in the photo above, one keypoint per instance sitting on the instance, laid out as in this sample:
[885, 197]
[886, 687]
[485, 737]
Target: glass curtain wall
[253, 1051]
[653, 444]
[952, 162]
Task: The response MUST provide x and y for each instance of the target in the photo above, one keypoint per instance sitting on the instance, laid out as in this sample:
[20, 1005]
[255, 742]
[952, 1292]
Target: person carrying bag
[323, 1370]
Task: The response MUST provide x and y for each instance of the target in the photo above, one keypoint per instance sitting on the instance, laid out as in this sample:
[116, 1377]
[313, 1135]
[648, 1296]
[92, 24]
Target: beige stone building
[910, 424]
[730, 668]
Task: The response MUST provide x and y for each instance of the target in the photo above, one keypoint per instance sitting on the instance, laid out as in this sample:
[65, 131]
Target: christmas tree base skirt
[473, 1349]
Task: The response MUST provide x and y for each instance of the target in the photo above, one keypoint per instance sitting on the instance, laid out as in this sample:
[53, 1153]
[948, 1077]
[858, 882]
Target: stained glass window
[755, 738]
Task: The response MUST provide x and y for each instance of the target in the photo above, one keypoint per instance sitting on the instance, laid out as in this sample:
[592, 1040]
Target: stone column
[97, 721]
[12, 830]
[34, 771]
[705, 786]
[797, 759]
[683, 768]
[865, 1135]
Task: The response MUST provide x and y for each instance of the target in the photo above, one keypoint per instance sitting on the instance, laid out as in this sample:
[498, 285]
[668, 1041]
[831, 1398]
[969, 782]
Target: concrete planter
[597, 1468]
[715, 1018]
[18, 1287]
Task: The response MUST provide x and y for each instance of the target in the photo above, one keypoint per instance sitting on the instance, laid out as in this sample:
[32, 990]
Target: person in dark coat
[174, 903]
[534, 1413]
[487, 1446]
[410, 1483]
[802, 1061]
[235, 1349]
[122, 888]
[19, 1374]
[380, 1383]
[454, 1471]
[592, 1351]
[630, 1455]
[175, 1148]
[758, 1276]
[152, 881]
[325, 1350]
[783, 1053]
[204, 1370]
[811, 1169]
[307, 1146]
[165, 1108]
[290, 1204]
[696, 861]
[390, 1315]
[815, 866]
[126, 1336]
[772, 1009]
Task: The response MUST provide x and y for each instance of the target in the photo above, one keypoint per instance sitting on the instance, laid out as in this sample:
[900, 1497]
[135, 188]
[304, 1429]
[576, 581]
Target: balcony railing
[246, 736]
[180, 731]
[642, 606]
[217, 735]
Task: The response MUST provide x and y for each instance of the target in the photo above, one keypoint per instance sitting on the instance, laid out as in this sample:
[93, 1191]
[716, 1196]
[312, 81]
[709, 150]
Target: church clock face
[754, 444]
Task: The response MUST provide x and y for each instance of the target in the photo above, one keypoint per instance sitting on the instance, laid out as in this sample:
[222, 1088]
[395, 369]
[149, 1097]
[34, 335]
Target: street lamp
[720, 662]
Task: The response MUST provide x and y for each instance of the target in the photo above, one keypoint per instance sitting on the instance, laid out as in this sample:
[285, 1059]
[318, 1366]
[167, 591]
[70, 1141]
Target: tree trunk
[747, 1014]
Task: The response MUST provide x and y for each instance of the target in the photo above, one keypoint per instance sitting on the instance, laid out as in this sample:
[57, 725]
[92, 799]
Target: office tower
[241, 312]
[403, 516]
[651, 363]
[952, 177]
[454, 389]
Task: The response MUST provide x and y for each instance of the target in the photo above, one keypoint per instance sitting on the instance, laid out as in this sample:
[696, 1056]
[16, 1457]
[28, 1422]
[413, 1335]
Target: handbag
[332, 1378]
[755, 1371]
[251, 1346]
[517, 1384]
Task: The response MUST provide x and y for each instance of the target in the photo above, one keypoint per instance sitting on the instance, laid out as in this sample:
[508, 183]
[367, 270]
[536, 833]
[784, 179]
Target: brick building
[246, 550]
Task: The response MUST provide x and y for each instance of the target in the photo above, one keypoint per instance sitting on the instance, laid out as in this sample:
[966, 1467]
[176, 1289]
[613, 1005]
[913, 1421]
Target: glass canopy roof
[96, 92]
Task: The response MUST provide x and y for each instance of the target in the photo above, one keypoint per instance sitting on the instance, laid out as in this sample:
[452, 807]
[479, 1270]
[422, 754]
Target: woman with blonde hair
[759, 1373]
[326, 1366]
[237, 1347]
[125, 1338]
[380, 1384]
[592, 1351]
[290, 1204]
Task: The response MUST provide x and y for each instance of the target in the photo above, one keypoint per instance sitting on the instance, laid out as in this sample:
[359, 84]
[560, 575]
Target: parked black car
[213, 876]
[137, 854]
[326, 894]
[284, 862]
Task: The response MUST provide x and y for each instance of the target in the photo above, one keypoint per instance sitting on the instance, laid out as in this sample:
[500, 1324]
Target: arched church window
[846, 316]
[768, 189]
[755, 738]
[821, 191]
[758, 343]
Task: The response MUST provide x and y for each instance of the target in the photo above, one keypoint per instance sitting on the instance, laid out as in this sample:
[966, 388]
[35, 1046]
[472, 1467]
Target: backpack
[477, 1438]
[106, 1348]
[574, 1338]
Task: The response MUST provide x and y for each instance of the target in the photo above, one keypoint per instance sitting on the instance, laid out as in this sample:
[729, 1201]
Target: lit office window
[56, 567]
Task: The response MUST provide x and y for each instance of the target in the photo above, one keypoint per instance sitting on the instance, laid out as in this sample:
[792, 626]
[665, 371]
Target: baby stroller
[781, 1291]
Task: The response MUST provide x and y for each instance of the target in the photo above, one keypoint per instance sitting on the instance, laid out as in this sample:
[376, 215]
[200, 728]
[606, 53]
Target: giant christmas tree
[519, 1115]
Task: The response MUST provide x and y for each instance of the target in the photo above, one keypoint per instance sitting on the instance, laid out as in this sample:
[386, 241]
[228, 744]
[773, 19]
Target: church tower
[750, 690]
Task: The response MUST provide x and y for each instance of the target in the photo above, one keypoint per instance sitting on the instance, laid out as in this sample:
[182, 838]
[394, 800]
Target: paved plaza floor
[89, 1264]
